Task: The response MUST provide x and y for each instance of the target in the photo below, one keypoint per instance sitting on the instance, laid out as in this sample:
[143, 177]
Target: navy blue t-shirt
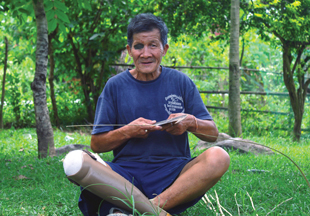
[125, 99]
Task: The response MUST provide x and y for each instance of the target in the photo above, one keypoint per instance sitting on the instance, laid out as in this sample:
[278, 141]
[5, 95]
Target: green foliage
[98, 33]
[18, 106]
[56, 15]
[22, 9]
[195, 17]
[71, 109]
[289, 19]
[21, 37]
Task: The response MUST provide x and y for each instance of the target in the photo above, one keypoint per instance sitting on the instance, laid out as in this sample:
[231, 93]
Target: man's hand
[177, 129]
[107, 141]
[139, 128]
[203, 129]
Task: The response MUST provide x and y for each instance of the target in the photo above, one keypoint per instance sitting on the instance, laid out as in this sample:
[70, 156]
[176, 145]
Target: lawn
[30, 186]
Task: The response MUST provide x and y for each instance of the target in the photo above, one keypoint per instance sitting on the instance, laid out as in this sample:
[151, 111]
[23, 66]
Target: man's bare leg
[196, 178]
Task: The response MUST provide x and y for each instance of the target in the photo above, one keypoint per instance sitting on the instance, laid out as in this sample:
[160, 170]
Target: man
[155, 158]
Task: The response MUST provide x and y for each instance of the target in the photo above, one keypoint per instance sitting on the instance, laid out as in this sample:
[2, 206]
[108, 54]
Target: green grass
[29, 186]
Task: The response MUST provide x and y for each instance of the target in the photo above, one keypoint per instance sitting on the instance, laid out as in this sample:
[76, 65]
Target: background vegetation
[185, 50]
[89, 37]
[83, 45]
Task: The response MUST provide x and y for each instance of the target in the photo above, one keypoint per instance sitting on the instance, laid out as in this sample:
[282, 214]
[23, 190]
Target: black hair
[146, 22]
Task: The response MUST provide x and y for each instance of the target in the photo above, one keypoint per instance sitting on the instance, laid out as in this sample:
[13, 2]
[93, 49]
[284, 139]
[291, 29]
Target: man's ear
[129, 50]
[166, 47]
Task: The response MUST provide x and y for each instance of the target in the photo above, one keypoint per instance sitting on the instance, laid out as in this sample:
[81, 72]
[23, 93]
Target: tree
[289, 24]
[195, 17]
[43, 125]
[51, 76]
[3, 80]
[22, 9]
[234, 73]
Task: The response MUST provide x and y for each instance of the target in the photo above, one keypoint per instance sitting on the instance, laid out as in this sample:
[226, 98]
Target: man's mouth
[146, 63]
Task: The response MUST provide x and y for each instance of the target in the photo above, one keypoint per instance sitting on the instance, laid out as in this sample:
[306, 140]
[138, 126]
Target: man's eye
[138, 46]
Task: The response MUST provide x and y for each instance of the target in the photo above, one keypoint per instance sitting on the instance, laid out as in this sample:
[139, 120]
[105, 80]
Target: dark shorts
[150, 178]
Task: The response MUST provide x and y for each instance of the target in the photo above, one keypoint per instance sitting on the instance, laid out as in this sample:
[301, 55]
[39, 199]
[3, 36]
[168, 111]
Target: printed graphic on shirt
[174, 104]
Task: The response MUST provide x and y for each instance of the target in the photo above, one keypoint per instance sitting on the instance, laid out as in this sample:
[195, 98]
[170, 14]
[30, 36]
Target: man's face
[147, 51]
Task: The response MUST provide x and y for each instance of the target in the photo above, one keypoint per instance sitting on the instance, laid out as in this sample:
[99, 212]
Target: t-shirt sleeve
[105, 112]
[193, 102]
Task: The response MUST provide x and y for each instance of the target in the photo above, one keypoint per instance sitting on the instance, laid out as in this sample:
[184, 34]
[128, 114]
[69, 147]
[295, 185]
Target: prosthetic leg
[91, 172]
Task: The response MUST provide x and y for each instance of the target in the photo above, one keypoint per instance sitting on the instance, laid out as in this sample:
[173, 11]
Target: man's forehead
[154, 34]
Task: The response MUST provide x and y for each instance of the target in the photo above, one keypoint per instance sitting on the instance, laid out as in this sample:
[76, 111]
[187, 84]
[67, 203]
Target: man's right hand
[107, 141]
[139, 128]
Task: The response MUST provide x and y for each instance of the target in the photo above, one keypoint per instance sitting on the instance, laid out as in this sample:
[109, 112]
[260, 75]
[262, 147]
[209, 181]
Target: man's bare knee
[217, 159]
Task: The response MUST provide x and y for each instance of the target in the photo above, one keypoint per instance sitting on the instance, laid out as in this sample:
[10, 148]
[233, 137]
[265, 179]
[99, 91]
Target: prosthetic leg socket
[86, 169]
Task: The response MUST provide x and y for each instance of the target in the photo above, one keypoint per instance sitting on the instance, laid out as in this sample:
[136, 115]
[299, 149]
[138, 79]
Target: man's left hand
[177, 129]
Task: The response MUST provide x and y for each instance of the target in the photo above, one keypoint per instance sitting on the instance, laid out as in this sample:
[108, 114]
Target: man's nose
[146, 52]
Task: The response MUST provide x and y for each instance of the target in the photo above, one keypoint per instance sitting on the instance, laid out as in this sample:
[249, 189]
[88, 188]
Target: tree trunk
[297, 97]
[297, 124]
[51, 79]
[84, 80]
[234, 107]
[44, 128]
[242, 52]
[3, 81]
[87, 91]
[299, 112]
[99, 84]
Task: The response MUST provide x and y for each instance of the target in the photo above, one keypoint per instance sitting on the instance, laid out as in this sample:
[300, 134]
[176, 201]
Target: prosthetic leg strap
[102, 181]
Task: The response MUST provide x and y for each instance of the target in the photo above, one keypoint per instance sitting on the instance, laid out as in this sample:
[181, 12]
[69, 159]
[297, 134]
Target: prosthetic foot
[93, 174]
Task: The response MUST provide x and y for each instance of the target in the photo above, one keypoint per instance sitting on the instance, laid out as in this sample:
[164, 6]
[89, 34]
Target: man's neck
[145, 76]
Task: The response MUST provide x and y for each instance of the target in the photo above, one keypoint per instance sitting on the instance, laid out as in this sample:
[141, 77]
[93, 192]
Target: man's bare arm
[206, 130]
[139, 128]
